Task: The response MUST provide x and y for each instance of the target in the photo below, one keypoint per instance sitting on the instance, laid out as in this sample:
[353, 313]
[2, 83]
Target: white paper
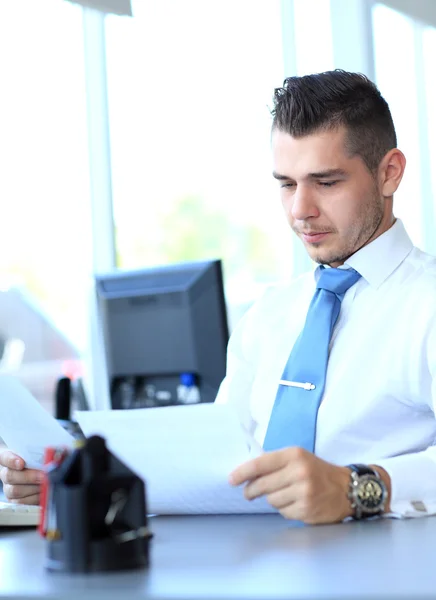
[184, 454]
[25, 426]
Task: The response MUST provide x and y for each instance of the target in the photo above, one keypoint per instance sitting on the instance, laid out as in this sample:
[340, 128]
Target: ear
[391, 172]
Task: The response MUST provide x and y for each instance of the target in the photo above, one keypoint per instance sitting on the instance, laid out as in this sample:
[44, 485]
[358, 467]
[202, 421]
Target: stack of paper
[184, 453]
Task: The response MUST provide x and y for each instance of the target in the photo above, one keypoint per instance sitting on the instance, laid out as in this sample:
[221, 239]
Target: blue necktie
[293, 418]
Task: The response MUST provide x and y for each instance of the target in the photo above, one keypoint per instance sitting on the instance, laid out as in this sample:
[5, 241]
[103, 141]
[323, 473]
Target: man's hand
[20, 485]
[299, 484]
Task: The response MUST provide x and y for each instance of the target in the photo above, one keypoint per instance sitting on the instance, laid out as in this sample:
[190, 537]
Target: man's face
[331, 201]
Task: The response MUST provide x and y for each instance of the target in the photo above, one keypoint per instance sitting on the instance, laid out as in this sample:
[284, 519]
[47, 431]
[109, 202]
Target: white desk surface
[243, 557]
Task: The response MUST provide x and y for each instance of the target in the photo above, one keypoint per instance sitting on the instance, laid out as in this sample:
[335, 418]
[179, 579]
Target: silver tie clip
[304, 386]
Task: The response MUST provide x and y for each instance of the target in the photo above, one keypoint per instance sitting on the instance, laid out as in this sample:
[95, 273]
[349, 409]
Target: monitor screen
[165, 333]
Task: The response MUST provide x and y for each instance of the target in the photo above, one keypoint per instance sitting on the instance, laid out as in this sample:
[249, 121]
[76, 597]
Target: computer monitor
[165, 333]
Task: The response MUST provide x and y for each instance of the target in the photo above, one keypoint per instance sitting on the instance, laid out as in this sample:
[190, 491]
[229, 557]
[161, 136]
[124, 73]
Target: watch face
[370, 493]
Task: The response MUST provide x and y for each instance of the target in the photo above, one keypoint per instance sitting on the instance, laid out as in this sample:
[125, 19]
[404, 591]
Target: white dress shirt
[380, 393]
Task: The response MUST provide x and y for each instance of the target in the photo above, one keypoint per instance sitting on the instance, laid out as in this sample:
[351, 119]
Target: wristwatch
[367, 492]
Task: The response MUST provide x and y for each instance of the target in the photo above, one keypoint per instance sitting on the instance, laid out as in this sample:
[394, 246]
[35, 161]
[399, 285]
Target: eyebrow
[319, 175]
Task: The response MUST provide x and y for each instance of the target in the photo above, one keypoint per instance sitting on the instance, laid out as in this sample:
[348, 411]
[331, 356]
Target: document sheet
[183, 453]
[25, 426]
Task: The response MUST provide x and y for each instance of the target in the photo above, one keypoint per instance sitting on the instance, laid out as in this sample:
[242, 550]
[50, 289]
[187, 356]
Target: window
[190, 86]
[429, 52]
[401, 82]
[313, 36]
[45, 254]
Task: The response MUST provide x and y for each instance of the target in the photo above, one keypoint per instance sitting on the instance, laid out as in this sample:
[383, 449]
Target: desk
[241, 557]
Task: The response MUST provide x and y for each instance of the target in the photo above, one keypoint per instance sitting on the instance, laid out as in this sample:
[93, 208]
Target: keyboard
[18, 515]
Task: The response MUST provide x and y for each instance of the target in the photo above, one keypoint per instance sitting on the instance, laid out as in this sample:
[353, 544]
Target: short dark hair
[326, 101]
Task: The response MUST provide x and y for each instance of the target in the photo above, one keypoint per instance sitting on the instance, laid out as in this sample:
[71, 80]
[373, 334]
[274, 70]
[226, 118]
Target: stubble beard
[356, 237]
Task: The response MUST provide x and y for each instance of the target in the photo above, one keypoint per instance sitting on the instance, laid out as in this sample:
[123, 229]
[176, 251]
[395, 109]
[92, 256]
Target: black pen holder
[95, 515]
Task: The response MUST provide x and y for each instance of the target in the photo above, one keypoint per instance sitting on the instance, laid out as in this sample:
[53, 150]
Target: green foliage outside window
[192, 231]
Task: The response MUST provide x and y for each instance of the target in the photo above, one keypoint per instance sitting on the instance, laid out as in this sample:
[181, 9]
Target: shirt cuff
[413, 484]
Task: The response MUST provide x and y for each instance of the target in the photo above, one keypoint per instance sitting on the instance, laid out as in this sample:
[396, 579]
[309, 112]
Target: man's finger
[18, 492]
[268, 484]
[295, 511]
[288, 496]
[262, 465]
[29, 500]
[27, 476]
[11, 460]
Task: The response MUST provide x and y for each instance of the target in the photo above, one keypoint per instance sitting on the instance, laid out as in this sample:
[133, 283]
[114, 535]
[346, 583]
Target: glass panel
[44, 224]
[313, 36]
[394, 47]
[190, 84]
[429, 44]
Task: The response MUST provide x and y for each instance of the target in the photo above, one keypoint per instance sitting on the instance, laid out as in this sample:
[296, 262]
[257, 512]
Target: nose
[303, 204]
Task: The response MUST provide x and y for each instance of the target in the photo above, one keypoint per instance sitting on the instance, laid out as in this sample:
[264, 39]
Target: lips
[312, 238]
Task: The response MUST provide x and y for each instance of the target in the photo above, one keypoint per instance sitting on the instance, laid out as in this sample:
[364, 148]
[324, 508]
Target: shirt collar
[379, 259]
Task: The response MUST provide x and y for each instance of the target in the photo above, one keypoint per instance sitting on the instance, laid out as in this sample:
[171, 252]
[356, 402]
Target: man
[337, 165]
[337, 367]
